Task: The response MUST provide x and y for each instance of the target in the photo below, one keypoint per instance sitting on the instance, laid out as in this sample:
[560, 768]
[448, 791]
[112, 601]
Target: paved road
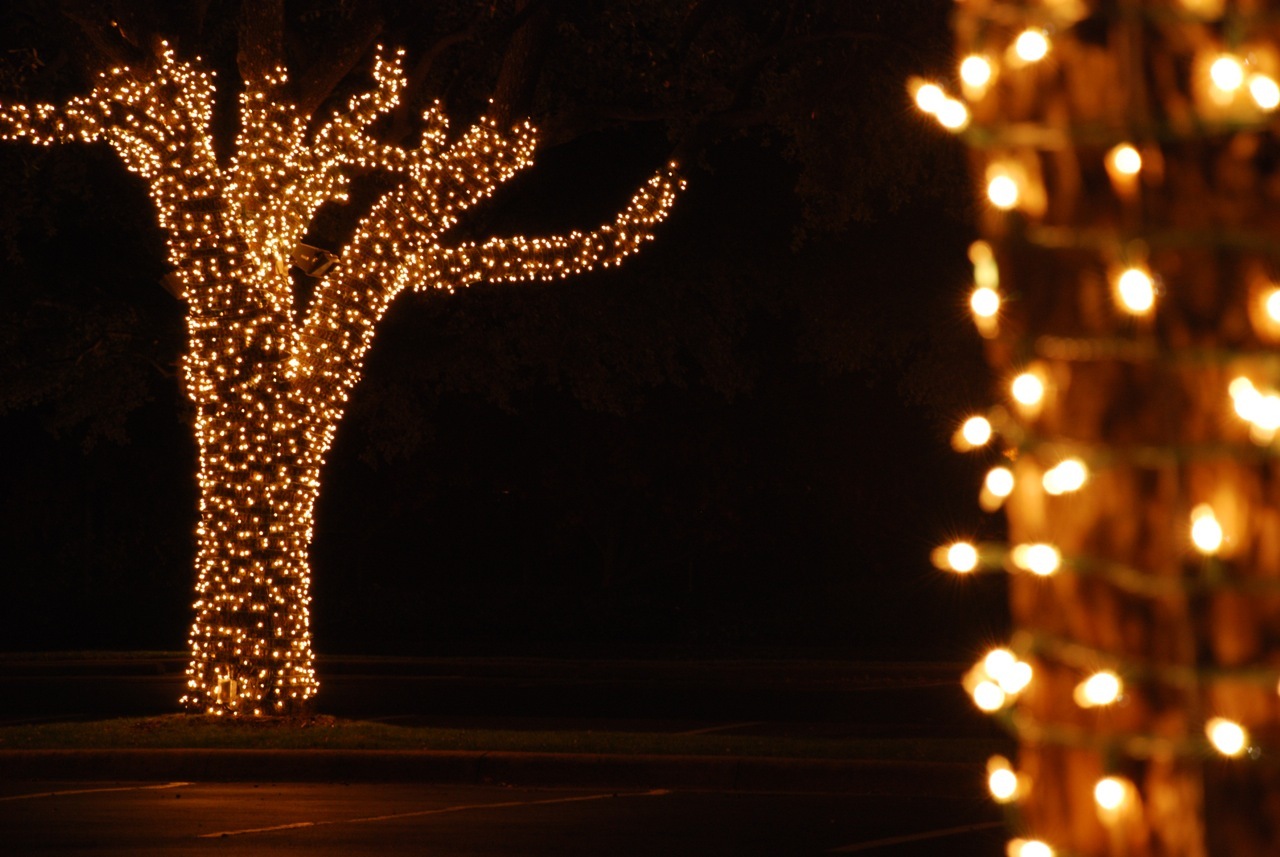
[335, 820]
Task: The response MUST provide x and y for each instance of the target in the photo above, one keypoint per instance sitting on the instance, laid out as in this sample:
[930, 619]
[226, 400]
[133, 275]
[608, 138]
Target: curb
[715, 773]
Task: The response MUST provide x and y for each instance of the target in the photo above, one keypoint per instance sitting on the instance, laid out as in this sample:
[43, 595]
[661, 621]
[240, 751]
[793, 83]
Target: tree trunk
[1142, 397]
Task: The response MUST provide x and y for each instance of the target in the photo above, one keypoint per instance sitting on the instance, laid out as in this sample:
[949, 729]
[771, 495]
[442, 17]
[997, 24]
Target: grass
[327, 733]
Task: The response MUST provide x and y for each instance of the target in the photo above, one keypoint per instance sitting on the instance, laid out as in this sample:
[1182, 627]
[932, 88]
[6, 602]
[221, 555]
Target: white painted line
[95, 791]
[721, 728]
[422, 812]
[915, 837]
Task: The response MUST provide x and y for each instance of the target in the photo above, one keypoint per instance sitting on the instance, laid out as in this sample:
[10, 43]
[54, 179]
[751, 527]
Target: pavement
[759, 696]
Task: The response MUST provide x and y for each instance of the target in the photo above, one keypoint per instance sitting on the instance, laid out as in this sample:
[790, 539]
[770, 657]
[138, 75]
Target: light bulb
[952, 114]
[976, 431]
[988, 696]
[1038, 558]
[1126, 159]
[1111, 793]
[1027, 389]
[1137, 290]
[1029, 848]
[1067, 476]
[1227, 73]
[1206, 532]
[1228, 737]
[985, 302]
[999, 481]
[930, 98]
[1003, 784]
[1273, 305]
[962, 557]
[999, 661]
[1003, 192]
[1265, 91]
[1032, 45]
[976, 70]
[1102, 688]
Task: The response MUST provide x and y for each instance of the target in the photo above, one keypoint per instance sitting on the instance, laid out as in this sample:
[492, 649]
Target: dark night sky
[736, 444]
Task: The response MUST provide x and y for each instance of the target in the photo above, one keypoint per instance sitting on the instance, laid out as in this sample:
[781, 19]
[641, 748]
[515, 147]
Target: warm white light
[1068, 475]
[953, 115]
[999, 481]
[1111, 793]
[1126, 159]
[976, 71]
[1029, 848]
[1003, 192]
[1206, 532]
[1228, 737]
[962, 557]
[1039, 558]
[1001, 779]
[1265, 91]
[1137, 290]
[1227, 73]
[930, 98]
[976, 431]
[984, 302]
[988, 696]
[986, 273]
[1102, 688]
[1032, 45]
[1027, 389]
[1015, 679]
[1272, 304]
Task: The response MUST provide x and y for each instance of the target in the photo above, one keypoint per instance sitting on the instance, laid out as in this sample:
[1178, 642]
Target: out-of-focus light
[984, 302]
[1227, 73]
[976, 70]
[1228, 737]
[1001, 779]
[1206, 532]
[1027, 389]
[976, 431]
[1066, 476]
[1102, 688]
[1272, 304]
[1126, 159]
[1003, 192]
[1028, 848]
[962, 557]
[1137, 290]
[1038, 558]
[953, 115]
[988, 696]
[1265, 91]
[930, 97]
[1032, 45]
[999, 481]
[985, 271]
[1111, 793]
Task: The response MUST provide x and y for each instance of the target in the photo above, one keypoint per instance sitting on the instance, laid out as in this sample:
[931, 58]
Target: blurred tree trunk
[1143, 400]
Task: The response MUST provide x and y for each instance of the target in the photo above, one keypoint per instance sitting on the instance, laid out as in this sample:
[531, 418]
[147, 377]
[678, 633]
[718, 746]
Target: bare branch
[318, 82]
[260, 28]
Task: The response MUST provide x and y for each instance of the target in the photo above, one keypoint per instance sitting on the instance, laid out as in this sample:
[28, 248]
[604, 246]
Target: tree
[267, 375]
[1126, 154]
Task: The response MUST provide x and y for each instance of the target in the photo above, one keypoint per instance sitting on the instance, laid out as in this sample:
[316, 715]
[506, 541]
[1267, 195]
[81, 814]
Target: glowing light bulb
[988, 696]
[953, 115]
[1038, 558]
[976, 70]
[976, 431]
[1137, 290]
[1015, 679]
[1067, 476]
[1227, 737]
[930, 98]
[1206, 532]
[999, 661]
[985, 271]
[1029, 848]
[1111, 793]
[999, 481]
[1032, 45]
[1272, 304]
[1265, 91]
[1027, 389]
[1102, 688]
[1126, 159]
[1001, 779]
[1227, 73]
[962, 557]
[1003, 191]
[985, 302]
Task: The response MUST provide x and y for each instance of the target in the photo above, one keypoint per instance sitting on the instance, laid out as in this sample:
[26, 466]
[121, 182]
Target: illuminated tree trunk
[270, 378]
[1131, 196]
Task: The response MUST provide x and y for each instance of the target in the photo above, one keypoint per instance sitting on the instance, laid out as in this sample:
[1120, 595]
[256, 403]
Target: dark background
[737, 444]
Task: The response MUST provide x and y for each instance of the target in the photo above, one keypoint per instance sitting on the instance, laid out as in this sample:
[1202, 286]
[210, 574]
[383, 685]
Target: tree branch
[260, 28]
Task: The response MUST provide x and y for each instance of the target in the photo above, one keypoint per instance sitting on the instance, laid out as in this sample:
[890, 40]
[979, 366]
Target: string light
[1265, 91]
[1028, 848]
[1227, 737]
[930, 97]
[999, 481]
[1111, 794]
[1206, 532]
[1065, 477]
[1031, 45]
[974, 432]
[1003, 783]
[1126, 159]
[1027, 389]
[1002, 189]
[1102, 688]
[1038, 558]
[1136, 289]
[1227, 73]
[269, 382]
